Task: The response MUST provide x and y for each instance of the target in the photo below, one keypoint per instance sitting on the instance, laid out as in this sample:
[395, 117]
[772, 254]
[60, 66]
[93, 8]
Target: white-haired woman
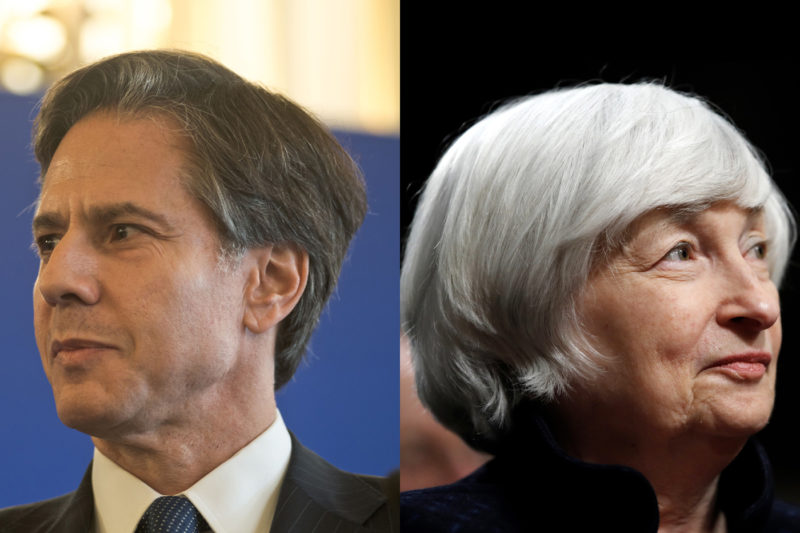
[589, 287]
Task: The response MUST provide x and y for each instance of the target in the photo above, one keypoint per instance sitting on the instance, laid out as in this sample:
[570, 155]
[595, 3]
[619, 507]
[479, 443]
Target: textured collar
[622, 495]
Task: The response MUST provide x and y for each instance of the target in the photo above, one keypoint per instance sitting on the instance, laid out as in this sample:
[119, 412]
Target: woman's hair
[522, 205]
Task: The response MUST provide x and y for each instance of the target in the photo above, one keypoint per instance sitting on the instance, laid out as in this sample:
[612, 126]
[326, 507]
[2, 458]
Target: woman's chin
[737, 419]
[730, 408]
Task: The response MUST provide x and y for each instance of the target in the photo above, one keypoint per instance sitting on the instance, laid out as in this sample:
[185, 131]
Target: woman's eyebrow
[682, 215]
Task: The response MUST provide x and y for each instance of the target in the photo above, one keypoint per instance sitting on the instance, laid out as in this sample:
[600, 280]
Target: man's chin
[90, 415]
[86, 421]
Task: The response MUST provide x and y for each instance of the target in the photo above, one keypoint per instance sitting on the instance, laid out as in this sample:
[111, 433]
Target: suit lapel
[316, 496]
[71, 513]
[78, 512]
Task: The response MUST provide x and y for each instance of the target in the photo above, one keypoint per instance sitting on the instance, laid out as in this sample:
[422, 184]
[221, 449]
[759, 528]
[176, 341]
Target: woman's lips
[749, 366]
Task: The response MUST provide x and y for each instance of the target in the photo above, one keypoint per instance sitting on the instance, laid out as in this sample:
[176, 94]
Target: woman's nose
[749, 298]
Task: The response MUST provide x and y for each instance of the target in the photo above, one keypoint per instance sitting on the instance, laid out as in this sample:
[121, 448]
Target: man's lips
[72, 346]
[750, 365]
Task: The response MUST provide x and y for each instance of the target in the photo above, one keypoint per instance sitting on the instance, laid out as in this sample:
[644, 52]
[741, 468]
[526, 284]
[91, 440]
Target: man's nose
[68, 275]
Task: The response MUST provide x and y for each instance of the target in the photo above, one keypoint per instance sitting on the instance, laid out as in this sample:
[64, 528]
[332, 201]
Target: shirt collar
[239, 496]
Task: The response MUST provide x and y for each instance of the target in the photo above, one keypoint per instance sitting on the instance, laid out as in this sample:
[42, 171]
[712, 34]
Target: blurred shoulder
[70, 513]
[389, 486]
[387, 515]
[476, 503]
[36, 517]
[784, 518]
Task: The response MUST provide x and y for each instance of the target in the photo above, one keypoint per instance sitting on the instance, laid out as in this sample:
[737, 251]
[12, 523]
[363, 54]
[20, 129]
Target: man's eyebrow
[48, 221]
[104, 214]
[107, 214]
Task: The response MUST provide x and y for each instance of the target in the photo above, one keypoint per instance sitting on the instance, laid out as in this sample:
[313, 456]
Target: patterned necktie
[171, 514]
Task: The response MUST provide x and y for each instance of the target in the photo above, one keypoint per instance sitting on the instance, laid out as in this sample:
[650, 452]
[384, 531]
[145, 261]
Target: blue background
[342, 403]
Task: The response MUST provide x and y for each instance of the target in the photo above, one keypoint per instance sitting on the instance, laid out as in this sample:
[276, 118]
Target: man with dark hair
[191, 226]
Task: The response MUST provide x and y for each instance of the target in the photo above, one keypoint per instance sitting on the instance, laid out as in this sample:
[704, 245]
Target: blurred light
[22, 8]
[151, 15]
[95, 6]
[100, 36]
[41, 37]
[21, 76]
[338, 58]
[148, 21]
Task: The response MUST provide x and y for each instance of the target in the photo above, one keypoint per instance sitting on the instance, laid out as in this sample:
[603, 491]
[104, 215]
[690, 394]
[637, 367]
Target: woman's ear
[277, 278]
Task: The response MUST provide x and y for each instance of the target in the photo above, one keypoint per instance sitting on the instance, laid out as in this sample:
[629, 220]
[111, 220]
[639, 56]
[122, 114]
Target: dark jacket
[315, 496]
[533, 485]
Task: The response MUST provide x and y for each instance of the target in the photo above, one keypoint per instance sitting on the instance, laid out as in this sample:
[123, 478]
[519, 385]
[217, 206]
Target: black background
[449, 80]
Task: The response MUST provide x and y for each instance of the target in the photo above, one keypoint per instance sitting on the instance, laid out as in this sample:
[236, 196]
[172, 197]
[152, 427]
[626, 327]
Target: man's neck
[177, 456]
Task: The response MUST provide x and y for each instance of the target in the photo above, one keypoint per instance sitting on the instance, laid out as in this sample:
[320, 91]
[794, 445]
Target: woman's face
[690, 322]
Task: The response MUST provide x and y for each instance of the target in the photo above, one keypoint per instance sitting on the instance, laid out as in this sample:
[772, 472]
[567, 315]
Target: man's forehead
[97, 129]
[105, 148]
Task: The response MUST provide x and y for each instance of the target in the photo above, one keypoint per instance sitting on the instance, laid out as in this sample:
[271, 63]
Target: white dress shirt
[239, 496]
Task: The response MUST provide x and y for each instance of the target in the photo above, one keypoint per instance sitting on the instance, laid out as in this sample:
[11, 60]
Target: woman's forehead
[687, 215]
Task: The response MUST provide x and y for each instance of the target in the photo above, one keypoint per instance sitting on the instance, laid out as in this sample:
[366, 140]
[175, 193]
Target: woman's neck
[683, 469]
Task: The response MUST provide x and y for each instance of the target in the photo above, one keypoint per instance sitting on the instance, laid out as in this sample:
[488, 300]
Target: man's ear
[275, 283]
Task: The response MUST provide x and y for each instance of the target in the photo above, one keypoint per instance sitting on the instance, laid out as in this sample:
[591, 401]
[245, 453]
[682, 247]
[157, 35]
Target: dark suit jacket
[315, 496]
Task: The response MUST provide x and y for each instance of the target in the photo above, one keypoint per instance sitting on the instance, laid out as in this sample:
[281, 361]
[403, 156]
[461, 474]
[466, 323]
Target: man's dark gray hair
[268, 171]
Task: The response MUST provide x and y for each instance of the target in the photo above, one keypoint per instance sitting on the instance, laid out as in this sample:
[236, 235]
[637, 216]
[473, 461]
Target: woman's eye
[681, 252]
[759, 251]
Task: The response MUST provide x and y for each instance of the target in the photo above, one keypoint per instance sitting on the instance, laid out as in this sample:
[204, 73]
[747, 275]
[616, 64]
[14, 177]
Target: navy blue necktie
[171, 514]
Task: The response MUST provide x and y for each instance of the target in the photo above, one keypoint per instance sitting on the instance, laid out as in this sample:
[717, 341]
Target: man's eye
[46, 243]
[681, 252]
[122, 231]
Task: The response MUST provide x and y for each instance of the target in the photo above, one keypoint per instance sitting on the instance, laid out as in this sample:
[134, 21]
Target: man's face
[137, 324]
